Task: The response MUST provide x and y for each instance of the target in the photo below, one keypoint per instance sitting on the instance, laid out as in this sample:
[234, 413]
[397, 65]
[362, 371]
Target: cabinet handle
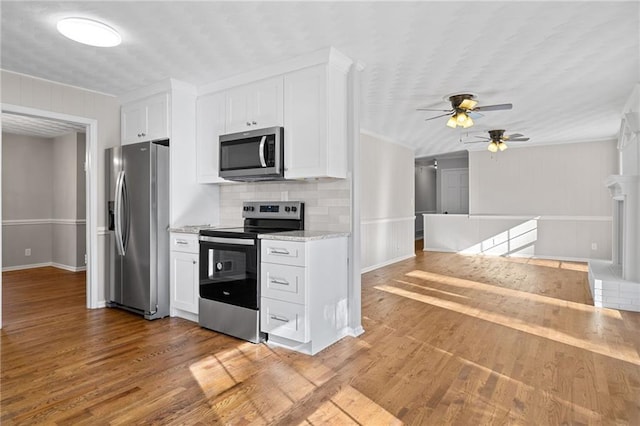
[248, 123]
[254, 123]
[277, 318]
[279, 251]
[140, 135]
[278, 281]
[182, 242]
[194, 262]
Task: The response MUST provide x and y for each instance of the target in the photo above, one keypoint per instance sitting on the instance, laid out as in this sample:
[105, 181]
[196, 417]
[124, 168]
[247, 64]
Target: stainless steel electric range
[230, 267]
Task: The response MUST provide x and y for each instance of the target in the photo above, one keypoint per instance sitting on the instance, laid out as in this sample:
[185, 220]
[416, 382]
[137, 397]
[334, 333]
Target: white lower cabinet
[303, 303]
[184, 279]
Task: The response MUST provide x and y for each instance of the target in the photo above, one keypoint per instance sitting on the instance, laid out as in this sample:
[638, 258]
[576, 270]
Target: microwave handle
[263, 163]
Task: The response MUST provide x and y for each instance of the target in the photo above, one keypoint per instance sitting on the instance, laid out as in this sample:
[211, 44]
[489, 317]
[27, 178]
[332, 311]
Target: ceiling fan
[462, 105]
[497, 140]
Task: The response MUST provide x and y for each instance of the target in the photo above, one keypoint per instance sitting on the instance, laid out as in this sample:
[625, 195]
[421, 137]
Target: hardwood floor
[449, 340]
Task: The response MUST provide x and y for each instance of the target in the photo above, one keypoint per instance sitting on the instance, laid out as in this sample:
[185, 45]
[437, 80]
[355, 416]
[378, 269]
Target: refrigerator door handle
[126, 216]
[118, 213]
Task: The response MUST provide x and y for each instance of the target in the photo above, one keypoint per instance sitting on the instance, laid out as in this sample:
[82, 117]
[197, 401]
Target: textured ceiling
[32, 126]
[568, 68]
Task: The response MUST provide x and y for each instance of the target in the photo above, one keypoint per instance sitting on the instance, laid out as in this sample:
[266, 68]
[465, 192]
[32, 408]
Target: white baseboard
[68, 267]
[21, 267]
[42, 265]
[386, 263]
[355, 332]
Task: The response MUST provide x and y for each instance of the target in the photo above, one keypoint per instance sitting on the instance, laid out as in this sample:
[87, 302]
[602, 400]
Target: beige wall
[387, 202]
[42, 188]
[27, 91]
[26, 169]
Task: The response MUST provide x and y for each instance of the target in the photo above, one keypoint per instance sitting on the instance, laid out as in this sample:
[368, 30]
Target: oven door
[229, 270]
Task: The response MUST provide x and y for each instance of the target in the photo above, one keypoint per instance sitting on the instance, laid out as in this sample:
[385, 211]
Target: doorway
[91, 193]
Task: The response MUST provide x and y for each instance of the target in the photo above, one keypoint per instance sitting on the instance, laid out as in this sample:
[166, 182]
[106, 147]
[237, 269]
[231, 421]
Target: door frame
[91, 177]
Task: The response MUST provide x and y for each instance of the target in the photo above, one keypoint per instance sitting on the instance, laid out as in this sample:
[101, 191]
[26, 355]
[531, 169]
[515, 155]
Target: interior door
[455, 191]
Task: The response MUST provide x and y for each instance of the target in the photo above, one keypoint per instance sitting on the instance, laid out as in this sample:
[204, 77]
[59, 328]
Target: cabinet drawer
[284, 319]
[283, 282]
[187, 243]
[283, 252]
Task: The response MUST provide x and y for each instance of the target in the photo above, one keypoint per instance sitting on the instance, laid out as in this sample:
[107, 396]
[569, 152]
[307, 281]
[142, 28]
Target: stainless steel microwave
[252, 155]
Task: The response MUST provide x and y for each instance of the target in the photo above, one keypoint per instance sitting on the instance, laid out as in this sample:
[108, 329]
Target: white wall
[559, 189]
[565, 180]
[387, 202]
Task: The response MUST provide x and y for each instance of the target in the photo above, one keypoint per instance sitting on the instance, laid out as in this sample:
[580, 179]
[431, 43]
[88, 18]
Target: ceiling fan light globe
[493, 147]
[502, 146]
[467, 123]
[452, 122]
[461, 118]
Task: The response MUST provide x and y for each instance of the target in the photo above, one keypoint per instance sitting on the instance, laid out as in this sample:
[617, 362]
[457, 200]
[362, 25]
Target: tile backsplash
[327, 202]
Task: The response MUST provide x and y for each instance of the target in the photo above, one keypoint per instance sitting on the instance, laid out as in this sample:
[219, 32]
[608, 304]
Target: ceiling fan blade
[437, 116]
[474, 115]
[493, 107]
[519, 139]
[515, 135]
[483, 137]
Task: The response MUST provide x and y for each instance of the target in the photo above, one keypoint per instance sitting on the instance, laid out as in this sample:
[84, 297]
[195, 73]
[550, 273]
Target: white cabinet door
[315, 130]
[266, 103]
[237, 110]
[134, 119]
[158, 117]
[145, 120]
[184, 281]
[211, 124]
[255, 106]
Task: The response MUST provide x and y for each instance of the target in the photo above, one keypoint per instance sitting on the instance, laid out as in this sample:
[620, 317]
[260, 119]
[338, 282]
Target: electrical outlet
[594, 246]
[27, 252]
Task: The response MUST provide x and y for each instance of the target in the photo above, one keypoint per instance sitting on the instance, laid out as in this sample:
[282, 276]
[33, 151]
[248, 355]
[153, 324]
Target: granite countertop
[191, 229]
[303, 235]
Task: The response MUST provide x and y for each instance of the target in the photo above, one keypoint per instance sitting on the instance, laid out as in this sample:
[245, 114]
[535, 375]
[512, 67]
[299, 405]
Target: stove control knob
[287, 209]
[252, 208]
[294, 209]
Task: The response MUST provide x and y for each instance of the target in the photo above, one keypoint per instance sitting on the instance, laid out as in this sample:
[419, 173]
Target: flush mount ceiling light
[88, 31]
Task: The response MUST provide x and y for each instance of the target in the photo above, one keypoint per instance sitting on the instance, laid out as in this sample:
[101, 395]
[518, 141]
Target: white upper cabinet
[254, 106]
[315, 125]
[146, 119]
[210, 112]
[310, 100]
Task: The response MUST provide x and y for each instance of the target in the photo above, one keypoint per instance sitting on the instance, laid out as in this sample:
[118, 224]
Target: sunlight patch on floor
[610, 349]
[349, 406]
[509, 292]
[590, 414]
[435, 290]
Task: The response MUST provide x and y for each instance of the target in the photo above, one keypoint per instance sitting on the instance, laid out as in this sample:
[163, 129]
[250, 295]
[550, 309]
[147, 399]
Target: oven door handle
[222, 240]
[263, 163]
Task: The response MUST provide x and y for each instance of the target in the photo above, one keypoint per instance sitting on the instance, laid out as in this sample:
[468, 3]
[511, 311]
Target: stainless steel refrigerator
[137, 187]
